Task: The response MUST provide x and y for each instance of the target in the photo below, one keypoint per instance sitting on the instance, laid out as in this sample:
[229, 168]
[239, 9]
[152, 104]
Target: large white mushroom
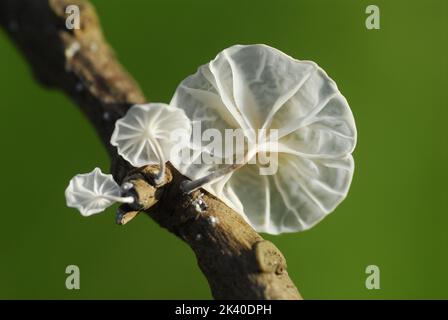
[258, 87]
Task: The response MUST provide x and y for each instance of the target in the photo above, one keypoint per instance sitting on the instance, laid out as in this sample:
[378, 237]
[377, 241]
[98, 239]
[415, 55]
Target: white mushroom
[93, 192]
[258, 87]
[142, 136]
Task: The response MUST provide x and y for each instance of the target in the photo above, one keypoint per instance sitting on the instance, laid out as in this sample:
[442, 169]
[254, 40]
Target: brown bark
[237, 262]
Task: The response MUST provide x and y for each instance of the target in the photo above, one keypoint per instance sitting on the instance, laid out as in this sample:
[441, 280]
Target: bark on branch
[237, 262]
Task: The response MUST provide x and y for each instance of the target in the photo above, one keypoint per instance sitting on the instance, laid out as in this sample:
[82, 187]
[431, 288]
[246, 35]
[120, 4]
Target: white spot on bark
[127, 186]
[72, 49]
[93, 47]
[199, 204]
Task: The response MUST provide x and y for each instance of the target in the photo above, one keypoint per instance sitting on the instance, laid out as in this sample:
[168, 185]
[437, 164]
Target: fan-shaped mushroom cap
[258, 87]
[142, 136]
[93, 192]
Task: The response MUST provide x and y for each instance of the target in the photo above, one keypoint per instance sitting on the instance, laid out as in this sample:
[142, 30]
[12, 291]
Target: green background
[395, 216]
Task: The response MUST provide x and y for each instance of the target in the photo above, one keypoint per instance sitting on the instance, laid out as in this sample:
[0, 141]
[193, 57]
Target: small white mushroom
[257, 87]
[143, 135]
[93, 192]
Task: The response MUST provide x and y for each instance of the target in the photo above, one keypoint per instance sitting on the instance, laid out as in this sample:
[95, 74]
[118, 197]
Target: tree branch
[237, 262]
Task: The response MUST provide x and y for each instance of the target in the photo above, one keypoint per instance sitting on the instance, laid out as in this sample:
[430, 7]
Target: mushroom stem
[120, 199]
[159, 178]
[190, 186]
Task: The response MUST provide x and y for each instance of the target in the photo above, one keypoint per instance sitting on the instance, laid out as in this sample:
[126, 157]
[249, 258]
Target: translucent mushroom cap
[93, 192]
[258, 87]
[142, 136]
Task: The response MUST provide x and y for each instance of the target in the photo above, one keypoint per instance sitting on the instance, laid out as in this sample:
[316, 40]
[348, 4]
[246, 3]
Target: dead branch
[237, 262]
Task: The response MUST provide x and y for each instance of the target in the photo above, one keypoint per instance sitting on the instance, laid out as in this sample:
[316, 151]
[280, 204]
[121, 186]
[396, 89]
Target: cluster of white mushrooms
[245, 87]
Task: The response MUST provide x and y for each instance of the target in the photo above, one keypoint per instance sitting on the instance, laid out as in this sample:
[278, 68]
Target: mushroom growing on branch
[143, 135]
[93, 192]
[256, 88]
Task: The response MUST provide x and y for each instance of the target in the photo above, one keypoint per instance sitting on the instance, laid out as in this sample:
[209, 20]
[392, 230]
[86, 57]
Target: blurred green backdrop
[396, 214]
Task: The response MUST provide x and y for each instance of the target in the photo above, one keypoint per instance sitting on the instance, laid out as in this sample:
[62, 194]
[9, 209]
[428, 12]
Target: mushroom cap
[92, 192]
[258, 87]
[145, 129]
